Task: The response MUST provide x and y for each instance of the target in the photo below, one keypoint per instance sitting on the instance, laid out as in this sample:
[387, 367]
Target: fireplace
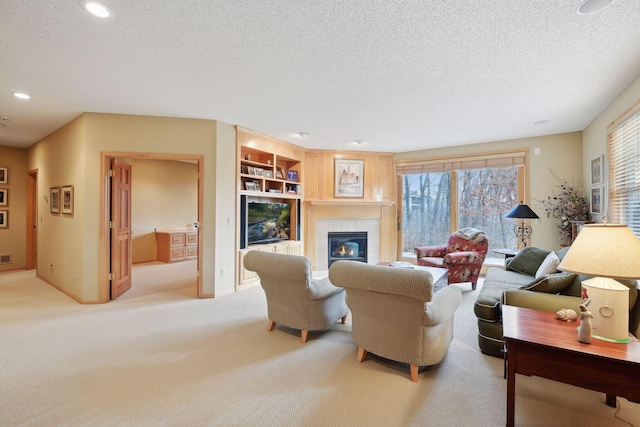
[347, 245]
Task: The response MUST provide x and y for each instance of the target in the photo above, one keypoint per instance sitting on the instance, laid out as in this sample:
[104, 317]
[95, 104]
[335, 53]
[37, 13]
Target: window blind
[624, 173]
[496, 160]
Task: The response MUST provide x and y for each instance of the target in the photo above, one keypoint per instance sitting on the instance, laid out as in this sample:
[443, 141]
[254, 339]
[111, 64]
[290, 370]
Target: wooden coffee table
[538, 344]
[439, 274]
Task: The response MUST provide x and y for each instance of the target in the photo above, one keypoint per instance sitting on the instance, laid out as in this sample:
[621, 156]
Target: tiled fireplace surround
[372, 217]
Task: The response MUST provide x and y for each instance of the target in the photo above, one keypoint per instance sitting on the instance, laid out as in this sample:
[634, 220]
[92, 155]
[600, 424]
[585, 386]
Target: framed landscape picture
[4, 219]
[292, 175]
[4, 197]
[54, 200]
[597, 170]
[348, 178]
[4, 175]
[67, 199]
[596, 200]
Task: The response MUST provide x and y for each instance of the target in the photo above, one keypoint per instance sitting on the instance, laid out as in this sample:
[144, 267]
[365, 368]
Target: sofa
[531, 280]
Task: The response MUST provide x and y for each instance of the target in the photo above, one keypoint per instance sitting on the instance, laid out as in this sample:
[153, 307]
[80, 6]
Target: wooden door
[120, 228]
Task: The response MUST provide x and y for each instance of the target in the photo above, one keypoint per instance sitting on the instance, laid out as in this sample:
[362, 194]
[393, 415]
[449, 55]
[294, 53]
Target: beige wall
[59, 159]
[72, 155]
[595, 135]
[13, 240]
[561, 154]
[225, 229]
[164, 195]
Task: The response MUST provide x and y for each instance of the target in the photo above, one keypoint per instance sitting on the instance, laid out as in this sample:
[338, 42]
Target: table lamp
[606, 252]
[522, 212]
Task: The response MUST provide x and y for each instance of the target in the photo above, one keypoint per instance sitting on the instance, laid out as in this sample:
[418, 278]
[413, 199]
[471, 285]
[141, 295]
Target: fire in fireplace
[350, 245]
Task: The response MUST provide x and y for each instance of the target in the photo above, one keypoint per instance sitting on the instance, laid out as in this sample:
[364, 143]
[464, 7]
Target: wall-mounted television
[267, 222]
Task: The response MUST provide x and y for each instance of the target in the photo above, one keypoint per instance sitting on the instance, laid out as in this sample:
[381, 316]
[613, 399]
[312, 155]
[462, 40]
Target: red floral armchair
[463, 256]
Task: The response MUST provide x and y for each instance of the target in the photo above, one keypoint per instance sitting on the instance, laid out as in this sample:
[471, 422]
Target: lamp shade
[521, 211]
[604, 250]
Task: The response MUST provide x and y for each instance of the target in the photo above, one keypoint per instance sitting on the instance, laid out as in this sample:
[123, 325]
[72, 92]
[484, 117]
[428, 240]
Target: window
[624, 171]
[479, 192]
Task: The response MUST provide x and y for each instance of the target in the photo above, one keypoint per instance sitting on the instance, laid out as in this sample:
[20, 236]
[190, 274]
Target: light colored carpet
[159, 356]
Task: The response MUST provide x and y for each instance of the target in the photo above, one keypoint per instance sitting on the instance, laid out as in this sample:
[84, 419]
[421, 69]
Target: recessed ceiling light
[592, 6]
[96, 8]
[359, 142]
[541, 122]
[303, 135]
[20, 95]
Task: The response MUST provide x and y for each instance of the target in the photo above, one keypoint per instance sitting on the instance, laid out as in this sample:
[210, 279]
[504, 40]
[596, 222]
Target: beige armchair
[294, 298]
[395, 313]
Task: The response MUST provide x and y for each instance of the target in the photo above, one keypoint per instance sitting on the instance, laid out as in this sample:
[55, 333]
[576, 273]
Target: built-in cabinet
[249, 278]
[176, 244]
[268, 170]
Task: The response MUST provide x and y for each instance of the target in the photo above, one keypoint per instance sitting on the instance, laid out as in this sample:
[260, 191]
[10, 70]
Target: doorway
[106, 247]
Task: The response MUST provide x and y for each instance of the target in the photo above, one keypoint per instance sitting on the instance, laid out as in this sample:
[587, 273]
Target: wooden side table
[538, 344]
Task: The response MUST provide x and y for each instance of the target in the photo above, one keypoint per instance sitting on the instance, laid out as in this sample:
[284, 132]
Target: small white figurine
[567, 314]
[584, 333]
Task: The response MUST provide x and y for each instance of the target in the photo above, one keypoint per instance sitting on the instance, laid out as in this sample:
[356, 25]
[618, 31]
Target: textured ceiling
[399, 75]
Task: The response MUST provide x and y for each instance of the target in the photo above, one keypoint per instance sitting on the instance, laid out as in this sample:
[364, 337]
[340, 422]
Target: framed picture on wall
[54, 200]
[4, 219]
[4, 197]
[348, 180]
[67, 199]
[597, 170]
[4, 175]
[596, 200]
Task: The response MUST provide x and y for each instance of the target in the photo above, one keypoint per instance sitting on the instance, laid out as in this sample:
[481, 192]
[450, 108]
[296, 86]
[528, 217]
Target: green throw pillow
[550, 284]
[528, 260]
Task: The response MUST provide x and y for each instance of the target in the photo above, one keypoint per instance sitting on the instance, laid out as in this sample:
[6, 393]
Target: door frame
[32, 219]
[105, 208]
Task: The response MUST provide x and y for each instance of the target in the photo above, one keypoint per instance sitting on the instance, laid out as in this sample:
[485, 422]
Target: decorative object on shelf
[586, 325]
[67, 200]
[4, 197]
[252, 185]
[596, 200]
[605, 252]
[279, 173]
[247, 157]
[348, 178]
[4, 219]
[269, 162]
[568, 204]
[54, 200]
[522, 231]
[567, 314]
[292, 175]
[267, 173]
[4, 175]
[597, 168]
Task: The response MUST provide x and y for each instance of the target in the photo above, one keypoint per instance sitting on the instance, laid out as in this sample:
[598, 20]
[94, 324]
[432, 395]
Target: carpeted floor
[159, 356]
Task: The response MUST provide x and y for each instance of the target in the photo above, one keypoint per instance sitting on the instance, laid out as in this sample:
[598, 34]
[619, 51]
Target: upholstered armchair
[395, 313]
[294, 298]
[462, 256]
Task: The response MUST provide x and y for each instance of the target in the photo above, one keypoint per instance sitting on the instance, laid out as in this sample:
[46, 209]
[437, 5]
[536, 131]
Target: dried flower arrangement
[568, 204]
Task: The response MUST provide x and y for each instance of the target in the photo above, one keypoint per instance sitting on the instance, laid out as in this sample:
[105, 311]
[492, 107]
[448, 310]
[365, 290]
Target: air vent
[5, 259]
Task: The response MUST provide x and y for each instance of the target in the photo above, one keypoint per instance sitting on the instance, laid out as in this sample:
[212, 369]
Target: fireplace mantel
[347, 203]
[339, 209]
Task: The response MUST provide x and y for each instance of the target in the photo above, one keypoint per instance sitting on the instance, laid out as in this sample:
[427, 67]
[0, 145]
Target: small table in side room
[538, 344]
